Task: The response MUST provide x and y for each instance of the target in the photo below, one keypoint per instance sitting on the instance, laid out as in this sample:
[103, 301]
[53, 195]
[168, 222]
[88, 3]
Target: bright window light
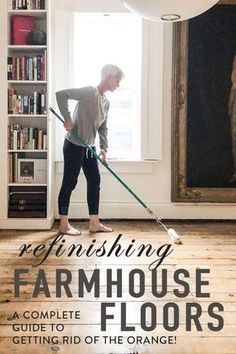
[112, 38]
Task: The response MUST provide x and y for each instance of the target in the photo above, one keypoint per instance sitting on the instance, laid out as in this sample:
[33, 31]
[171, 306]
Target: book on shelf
[28, 68]
[36, 103]
[13, 167]
[26, 138]
[9, 68]
[27, 4]
[27, 213]
[10, 168]
[27, 207]
[27, 201]
[21, 26]
[22, 196]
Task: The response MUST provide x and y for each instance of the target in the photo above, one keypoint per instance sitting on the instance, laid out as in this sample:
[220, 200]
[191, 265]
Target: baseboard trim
[175, 211]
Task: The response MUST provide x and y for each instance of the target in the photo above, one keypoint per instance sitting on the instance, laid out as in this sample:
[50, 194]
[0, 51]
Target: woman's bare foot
[66, 229]
[69, 230]
[99, 228]
[96, 226]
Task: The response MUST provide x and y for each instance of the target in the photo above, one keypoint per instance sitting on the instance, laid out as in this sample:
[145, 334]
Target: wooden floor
[208, 245]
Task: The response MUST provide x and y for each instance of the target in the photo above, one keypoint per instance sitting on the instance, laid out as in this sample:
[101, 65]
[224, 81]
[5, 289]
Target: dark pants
[76, 157]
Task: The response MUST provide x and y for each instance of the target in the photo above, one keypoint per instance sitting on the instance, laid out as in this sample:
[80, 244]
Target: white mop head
[174, 236]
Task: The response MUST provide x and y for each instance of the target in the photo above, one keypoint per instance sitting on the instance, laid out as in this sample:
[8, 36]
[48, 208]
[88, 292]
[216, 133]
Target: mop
[171, 232]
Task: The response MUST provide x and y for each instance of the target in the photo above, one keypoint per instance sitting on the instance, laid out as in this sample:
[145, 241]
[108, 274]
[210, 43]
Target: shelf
[28, 82]
[28, 223]
[35, 13]
[27, 115]
[27, 150]
[27, 48]
[27, 185]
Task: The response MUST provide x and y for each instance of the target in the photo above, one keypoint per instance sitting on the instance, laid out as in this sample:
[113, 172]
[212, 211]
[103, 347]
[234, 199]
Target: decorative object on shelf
[37, 37]
[168, 10]
[32, 171]
[24, 31]
[26, 171]
[21, 26]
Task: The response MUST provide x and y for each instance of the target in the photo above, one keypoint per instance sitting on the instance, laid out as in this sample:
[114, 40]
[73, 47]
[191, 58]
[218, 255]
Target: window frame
[152, 62]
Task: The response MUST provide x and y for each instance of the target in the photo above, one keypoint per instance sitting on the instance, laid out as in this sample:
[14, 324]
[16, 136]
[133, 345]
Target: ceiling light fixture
[168, 10]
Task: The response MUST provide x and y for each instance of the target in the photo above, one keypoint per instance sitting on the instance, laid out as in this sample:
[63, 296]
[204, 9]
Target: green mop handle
[77, 136]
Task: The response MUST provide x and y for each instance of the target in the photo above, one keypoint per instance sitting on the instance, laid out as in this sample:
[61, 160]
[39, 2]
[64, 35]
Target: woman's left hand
[103, 155]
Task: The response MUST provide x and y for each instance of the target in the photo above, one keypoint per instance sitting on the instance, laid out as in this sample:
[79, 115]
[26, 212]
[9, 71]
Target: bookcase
[26, 161]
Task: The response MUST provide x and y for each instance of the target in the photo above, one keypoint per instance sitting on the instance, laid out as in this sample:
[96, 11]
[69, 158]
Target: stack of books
[27, 204]
[27, 4]
[26, 104]
[26, 138]
[25, 67]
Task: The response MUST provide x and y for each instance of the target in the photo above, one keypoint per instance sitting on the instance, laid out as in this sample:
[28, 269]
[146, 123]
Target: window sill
[121, 166]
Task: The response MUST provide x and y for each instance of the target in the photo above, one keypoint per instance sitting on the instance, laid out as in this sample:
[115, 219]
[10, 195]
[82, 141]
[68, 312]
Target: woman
[90, 117]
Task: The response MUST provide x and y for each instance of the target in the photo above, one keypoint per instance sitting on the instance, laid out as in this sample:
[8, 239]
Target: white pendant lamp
[168, 10]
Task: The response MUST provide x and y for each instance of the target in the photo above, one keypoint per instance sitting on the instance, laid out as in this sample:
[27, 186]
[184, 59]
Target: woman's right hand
[68, 125]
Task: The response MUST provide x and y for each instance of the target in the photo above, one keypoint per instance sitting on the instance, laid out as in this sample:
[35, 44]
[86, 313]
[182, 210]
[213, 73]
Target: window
[84, 41]
[107, 38]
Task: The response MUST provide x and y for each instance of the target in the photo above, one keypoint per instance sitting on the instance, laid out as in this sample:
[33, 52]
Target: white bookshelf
[36, 121]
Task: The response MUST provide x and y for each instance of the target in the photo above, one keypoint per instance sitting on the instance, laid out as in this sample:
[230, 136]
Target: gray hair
[113, 70]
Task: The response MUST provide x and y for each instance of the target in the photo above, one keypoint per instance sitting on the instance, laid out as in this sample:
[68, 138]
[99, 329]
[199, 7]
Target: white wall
[150, 180]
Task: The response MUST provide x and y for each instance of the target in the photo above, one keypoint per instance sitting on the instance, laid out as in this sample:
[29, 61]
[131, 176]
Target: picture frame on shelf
[203, 138]
[32, 171]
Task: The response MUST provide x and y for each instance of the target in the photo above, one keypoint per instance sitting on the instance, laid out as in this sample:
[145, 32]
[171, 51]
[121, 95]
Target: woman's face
[113, 82]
